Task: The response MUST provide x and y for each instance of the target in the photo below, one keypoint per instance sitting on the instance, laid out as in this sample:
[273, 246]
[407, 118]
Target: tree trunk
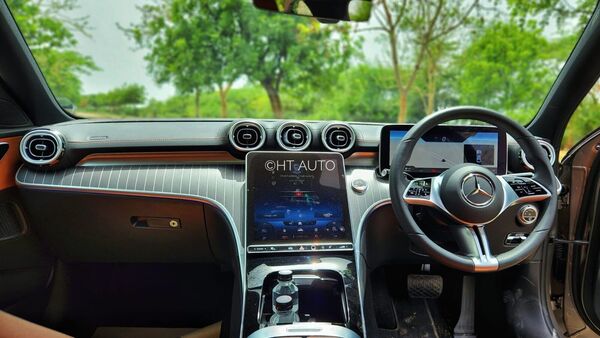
[274, 99]
[223, 92]
[403, 110]
[402, 106]
[197, 103]
[431, 86]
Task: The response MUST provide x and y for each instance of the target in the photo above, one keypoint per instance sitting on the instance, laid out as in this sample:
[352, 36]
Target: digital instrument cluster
[445, 146]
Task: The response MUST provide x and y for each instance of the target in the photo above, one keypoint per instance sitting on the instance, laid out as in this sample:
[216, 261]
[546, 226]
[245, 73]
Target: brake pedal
[425, 286]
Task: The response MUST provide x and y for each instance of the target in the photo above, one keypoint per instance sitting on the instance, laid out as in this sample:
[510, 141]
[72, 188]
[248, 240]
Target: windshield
[226, 59]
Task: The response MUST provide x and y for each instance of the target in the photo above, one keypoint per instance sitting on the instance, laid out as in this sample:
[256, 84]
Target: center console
[297, 219]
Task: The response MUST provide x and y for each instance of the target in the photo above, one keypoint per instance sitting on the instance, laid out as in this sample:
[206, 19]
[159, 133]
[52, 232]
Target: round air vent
[42, 147]
[338, 137]
[549, 150]
[294, 136]
[247, 136]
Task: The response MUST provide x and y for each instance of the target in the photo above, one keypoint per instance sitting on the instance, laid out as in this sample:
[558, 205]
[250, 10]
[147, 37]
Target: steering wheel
[473, 196]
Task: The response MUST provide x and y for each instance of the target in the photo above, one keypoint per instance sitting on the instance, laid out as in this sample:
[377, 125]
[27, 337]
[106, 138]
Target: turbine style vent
[247, 136]
[338, 137]
[548, 148]
[294, 136]
[42, 147]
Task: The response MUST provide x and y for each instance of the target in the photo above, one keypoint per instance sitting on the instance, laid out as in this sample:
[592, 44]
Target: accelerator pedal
[425, 286]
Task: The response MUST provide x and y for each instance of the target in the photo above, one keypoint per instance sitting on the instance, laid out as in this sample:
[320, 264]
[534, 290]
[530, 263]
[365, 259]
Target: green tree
[413, 31]
[194, 44]
[125, 95]
[289, 51]
[557, 11]
[506, 67]
[50, 36]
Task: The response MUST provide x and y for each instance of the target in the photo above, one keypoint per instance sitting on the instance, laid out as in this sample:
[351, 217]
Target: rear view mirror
[325, 10]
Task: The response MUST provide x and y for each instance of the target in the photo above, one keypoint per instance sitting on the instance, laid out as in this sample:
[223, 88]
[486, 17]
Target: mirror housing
[327, 11]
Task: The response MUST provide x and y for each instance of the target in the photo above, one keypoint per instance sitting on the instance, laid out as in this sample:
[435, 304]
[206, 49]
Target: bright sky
[112, 51]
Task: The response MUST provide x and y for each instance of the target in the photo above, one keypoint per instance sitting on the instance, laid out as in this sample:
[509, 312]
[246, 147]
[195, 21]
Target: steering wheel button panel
[419, 189]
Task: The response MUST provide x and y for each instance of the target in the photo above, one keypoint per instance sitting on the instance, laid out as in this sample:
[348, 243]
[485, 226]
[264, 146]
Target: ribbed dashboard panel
[221, 183]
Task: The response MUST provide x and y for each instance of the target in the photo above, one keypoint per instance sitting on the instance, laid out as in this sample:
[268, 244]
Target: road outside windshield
[225, 59]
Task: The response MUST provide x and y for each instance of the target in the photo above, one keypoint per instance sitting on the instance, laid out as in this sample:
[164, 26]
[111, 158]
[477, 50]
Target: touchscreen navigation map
[296, 198]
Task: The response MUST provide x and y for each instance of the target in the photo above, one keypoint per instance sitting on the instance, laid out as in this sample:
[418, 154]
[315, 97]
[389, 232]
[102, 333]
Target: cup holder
[321, 297]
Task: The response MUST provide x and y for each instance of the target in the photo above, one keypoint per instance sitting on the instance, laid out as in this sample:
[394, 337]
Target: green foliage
[181, 35]
[125, 96]
[585, 119]
[50, 36]
[495, 71]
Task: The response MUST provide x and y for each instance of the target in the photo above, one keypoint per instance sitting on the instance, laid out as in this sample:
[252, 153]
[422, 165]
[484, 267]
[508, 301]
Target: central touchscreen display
[296, 198]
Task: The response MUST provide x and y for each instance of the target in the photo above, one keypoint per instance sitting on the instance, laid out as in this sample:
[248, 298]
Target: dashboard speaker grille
[338, 137]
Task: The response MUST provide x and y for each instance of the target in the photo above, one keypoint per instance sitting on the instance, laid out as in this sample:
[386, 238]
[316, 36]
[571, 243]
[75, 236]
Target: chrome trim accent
[178, 196]
[478, 190]
[60, 146]
[340, 126]
[485, 261]
[547, 146]
[293, 124]
[263, 135]
[305, 330]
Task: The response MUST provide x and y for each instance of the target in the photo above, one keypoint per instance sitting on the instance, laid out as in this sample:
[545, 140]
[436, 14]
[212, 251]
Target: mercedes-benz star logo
[478, 190]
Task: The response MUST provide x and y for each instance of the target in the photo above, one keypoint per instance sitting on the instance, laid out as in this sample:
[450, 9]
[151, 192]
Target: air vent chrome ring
[42, 147]
[294, 136]
[547, 147]
[247, 136]
[338, 137]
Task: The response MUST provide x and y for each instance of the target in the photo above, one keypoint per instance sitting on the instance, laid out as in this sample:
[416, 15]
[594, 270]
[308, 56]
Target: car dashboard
[260, 194]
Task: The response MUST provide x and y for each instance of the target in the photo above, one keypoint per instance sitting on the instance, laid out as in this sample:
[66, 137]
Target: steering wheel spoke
[473, 242]
[484, 261]
[520, 189]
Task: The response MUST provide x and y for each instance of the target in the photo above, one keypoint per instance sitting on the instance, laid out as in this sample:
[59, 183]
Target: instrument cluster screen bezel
[443, 134]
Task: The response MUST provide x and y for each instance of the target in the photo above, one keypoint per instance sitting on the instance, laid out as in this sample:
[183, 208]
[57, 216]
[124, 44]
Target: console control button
[300, 248]
[524, 187]
[528, 214]
[360, 186]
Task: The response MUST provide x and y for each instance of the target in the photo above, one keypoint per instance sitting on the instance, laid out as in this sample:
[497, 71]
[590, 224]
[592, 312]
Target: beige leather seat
[14, 327]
